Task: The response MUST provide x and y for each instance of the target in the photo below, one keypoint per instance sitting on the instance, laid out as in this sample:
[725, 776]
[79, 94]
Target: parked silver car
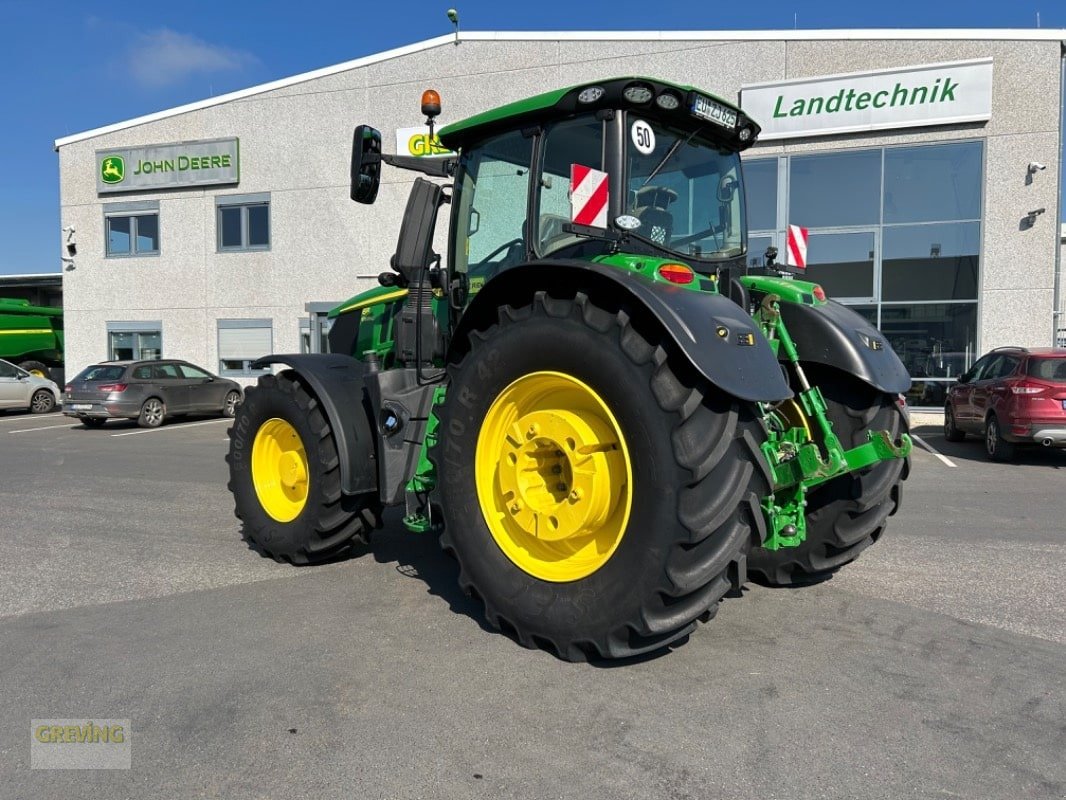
[147, 391]
[20, 389]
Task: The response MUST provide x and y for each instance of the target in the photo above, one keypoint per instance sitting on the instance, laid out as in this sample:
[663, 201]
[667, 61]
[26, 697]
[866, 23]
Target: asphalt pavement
[933, 667]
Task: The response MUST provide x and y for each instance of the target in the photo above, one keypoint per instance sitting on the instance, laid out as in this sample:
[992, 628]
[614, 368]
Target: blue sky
[71, 66]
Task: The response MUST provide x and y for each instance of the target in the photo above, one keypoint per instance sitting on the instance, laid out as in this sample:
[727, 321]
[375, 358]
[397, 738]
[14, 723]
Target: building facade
[925, 165]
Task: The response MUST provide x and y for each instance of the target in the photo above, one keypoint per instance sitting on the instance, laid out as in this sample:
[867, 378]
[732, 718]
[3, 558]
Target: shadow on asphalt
[973, 449]
[418, 556]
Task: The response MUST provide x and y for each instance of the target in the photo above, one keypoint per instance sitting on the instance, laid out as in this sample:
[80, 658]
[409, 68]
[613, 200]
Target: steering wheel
[506, 248]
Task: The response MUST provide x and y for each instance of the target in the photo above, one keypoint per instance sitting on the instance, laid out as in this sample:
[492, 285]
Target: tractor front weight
[799, 459]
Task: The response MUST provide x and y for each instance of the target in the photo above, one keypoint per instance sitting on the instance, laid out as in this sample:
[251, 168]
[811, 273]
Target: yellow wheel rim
[279, 470]
[554, 478]
[794, 414]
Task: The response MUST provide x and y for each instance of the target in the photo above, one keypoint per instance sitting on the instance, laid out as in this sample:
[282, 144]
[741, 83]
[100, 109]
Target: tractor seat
[656, 223]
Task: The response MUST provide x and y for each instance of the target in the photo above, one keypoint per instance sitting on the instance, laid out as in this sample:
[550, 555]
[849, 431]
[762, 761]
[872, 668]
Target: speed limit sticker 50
[643, 137]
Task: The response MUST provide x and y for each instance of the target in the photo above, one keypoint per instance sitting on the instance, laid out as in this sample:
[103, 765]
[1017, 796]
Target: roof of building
[860, 34]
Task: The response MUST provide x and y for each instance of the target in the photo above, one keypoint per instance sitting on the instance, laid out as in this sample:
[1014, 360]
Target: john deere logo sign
[113, 169]
[166, 166]
[932, 94]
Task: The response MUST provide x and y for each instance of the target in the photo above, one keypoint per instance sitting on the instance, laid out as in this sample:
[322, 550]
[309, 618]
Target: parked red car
[1011, 396]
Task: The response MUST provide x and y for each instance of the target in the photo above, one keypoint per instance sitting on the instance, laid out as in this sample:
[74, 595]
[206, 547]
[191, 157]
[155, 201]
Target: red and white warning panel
[796, 252]
[588, 196]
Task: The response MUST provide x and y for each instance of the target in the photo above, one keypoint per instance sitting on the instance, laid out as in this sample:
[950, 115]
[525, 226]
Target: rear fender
[721, 341]
[338, 383]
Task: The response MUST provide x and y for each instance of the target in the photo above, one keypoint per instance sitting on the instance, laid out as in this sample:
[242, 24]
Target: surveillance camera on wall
[1036, 166]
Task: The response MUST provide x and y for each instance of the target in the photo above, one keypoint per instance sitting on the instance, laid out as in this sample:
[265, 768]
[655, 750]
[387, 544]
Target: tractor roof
[610, 93]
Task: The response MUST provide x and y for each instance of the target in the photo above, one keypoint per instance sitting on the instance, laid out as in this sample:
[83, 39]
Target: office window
[243, 222]
[242, 341]
[131, 229]
[130, 341]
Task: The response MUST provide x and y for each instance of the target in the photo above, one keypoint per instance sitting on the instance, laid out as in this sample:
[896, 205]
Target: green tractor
[608, 418]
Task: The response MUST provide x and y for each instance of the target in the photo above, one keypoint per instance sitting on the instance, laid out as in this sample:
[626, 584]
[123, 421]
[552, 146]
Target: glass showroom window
[132, 234]
[895, 233]
[241, 342]
[130, 341]
[243, 223]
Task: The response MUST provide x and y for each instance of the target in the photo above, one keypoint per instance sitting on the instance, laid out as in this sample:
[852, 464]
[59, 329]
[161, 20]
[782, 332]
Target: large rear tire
[625, 554]
[36, 368]
[285, 477]
[849, 513]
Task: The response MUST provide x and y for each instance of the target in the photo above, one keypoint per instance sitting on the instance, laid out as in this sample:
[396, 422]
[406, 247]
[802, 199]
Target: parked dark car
[147, 391]
[1011, 396]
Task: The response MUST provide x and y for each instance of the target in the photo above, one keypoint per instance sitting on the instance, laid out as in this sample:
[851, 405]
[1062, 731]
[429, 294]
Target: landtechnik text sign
[931, 94]
[168, 166]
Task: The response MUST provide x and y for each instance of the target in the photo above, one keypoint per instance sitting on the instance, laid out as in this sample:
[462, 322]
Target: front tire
[849, 513]
[285, 477]
[230, 403]
[662, 522]
[42, 402]
[951, 431]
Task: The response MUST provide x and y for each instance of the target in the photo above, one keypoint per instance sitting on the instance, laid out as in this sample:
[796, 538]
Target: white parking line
[45, 428]
[933, 450]
[180, 427]
[24, 418]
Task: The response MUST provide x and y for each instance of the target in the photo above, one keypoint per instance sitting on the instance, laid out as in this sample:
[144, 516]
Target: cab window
[492, 191]
[685, 192]
[574, 141]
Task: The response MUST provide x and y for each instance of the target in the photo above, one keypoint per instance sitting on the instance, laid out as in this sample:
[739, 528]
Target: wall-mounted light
[453, 16]
[1030, 218]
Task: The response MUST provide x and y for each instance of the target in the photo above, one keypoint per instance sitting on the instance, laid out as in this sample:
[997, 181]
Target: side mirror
[366, 164]
[727, 187]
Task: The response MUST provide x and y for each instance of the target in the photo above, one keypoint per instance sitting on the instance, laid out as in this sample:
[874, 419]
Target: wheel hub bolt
[556, 470]
[575, 495]
[516, 507]
[534, 429]
[788, 531]
[560, 487]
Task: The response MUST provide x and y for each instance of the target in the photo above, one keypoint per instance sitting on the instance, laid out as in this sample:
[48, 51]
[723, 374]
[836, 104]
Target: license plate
[715, 112]
[80, 406]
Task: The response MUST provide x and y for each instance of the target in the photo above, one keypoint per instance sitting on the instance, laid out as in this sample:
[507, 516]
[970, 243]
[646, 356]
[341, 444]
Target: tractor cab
[627, 165]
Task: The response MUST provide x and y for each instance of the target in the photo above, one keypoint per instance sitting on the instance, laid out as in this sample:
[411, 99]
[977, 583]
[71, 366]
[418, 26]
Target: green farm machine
[608, 418]
[32, 337]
